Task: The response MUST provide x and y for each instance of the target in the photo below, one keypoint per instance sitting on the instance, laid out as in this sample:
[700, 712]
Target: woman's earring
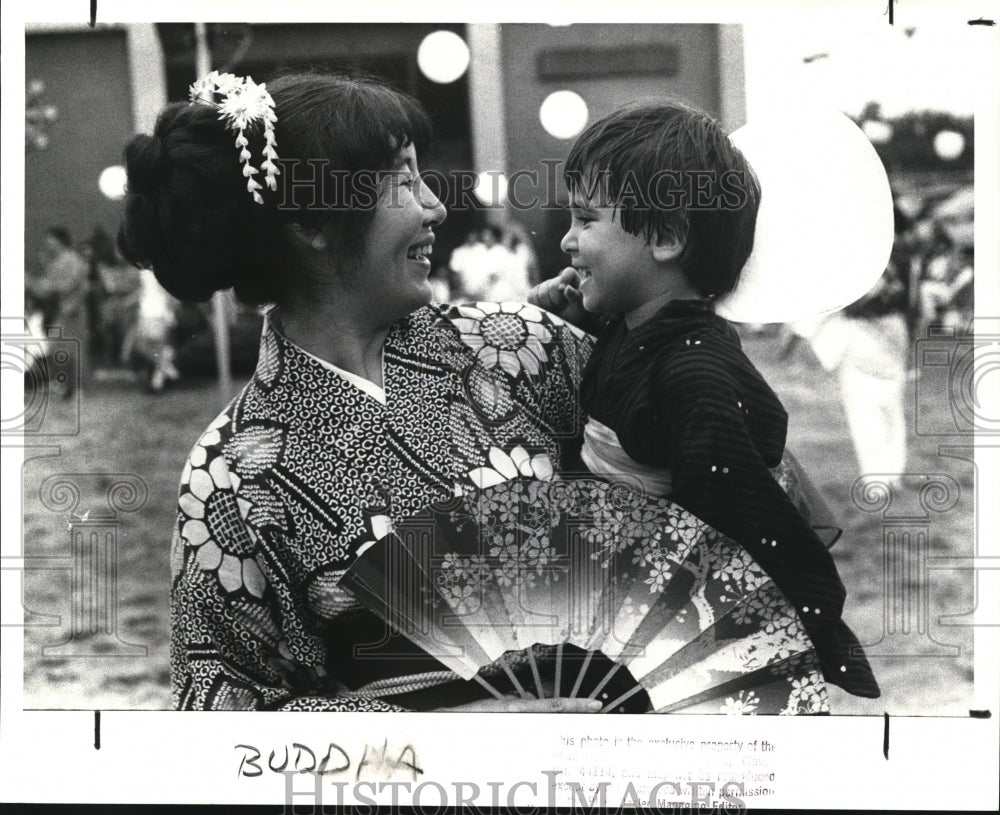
[318, 241]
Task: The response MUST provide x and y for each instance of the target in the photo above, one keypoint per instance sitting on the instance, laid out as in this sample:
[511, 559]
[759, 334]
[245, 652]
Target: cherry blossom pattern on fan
[744, 704]
[808, 696]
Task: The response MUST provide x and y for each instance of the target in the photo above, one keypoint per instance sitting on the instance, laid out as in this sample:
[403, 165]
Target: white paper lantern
[112, 182]
[443, 56]
[563, 114]
[949, 145]
[876, 131]
[825, 223]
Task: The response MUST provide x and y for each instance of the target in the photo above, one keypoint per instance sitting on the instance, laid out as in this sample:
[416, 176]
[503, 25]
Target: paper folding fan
[583, 587]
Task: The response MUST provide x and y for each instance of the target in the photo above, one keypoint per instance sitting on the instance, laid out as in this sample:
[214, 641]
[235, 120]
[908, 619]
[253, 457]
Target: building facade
[108, 83]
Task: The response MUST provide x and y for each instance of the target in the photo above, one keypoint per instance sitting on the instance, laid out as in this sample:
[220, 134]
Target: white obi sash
[603, 455]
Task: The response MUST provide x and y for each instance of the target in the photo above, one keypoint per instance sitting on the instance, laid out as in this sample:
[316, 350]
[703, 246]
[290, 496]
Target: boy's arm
[748, 505]
[719, 476]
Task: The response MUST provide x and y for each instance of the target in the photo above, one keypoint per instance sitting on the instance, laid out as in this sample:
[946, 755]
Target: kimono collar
[676, 318]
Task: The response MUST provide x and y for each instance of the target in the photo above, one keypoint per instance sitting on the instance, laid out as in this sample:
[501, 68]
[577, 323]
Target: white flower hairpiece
[244, 104]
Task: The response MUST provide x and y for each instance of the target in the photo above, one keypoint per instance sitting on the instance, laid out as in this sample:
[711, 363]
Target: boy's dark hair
[669, 169]
[189, 217]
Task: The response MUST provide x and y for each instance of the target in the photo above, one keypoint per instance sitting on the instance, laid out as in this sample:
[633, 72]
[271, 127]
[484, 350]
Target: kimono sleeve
[564, 358]
[237, 641]
[720, 476]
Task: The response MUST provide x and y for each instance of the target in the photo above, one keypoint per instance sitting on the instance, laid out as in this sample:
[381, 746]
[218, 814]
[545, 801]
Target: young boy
[663, 215]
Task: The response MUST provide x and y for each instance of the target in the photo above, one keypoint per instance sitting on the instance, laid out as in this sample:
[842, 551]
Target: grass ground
[930, 668]
[125, 430]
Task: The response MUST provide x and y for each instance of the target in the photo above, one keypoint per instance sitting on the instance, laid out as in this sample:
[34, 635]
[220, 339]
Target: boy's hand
[561, 296]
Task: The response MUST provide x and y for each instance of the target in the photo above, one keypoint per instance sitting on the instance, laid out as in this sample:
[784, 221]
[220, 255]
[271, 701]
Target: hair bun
[144, 162]
[138, 236]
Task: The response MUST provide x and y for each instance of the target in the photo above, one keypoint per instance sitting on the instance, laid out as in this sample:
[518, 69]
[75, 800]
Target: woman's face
[396, 261]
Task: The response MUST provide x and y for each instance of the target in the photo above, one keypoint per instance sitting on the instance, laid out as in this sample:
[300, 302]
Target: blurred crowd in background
[129, 326]
[927, 287]
[929, 278]
[493, 264]
[121, 316]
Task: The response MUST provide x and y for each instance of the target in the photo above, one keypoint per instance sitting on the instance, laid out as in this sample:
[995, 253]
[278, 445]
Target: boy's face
[617, 271]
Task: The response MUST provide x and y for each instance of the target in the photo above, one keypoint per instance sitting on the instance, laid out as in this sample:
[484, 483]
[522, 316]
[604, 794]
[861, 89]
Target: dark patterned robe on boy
[680, 394]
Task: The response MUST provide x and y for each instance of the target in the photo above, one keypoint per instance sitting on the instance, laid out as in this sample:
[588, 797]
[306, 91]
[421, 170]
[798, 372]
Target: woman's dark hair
[670, 170]
[188, 214]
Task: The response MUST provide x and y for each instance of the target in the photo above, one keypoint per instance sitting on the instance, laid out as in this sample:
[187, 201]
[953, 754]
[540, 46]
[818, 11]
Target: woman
[368, 403]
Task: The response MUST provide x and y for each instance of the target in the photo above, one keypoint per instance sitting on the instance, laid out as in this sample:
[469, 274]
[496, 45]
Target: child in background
[116, 293]
[149, 345]
[663, 215]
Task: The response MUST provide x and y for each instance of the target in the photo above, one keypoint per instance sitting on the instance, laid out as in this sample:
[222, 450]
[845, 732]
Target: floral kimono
[305, 468]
